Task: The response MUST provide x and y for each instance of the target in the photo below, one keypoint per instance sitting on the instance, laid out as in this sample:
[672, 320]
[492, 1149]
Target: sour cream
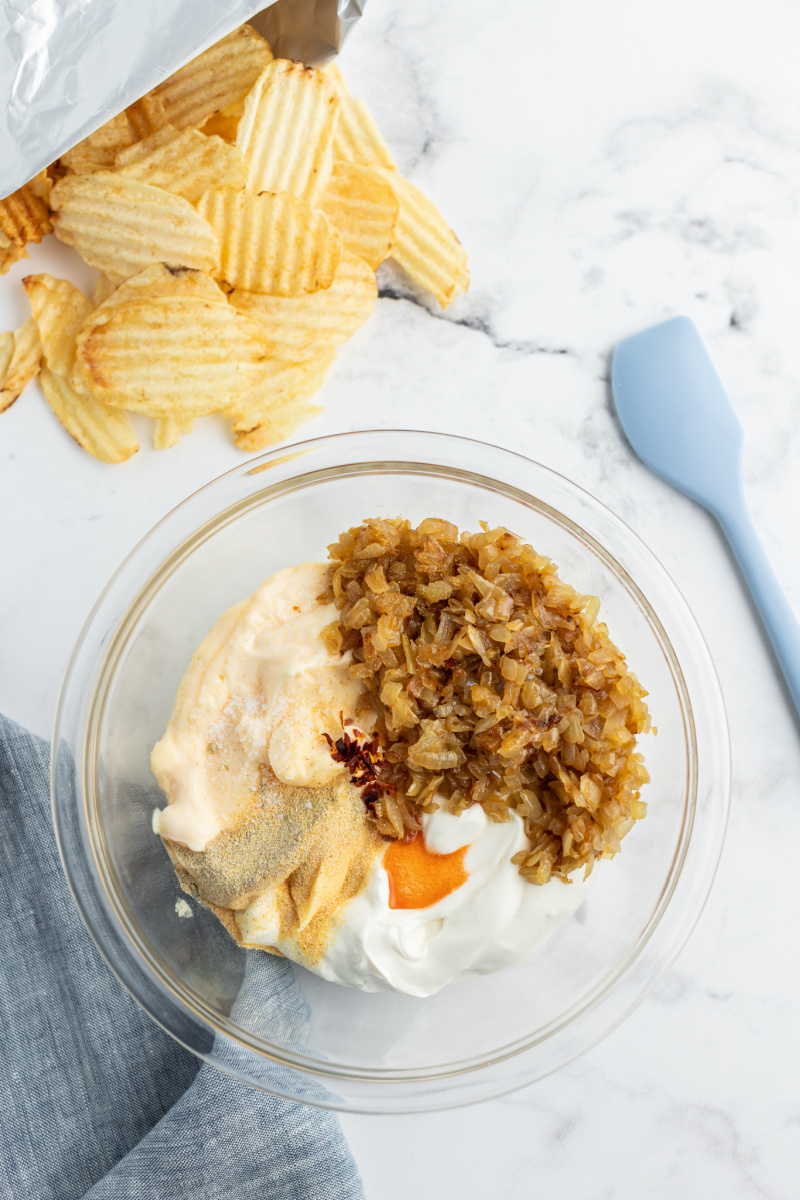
[494, 919]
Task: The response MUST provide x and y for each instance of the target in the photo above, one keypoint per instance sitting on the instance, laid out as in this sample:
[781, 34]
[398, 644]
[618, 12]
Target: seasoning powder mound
[268, 841]
[306, 850]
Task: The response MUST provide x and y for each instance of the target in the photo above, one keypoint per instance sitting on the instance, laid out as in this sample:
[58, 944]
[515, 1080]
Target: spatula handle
[776, 612]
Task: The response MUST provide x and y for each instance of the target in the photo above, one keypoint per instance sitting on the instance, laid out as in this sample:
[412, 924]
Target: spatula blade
[675, 411]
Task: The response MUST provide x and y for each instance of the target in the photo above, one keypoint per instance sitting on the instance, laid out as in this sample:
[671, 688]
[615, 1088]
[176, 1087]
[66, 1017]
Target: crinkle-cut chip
[183, 161]
[103, 288]
[121, 225]
[41, 185]
[6, 353]
[224, 124]
[285, 383]
[160, 280]
[59, 309]
[147, 115]
[81, 165]
[286, 130]
[364, 208]
[102, 430]
[425, 246]
[286, 419]
[10, 253]
[102, 146]
[145, 149]
[271, 243]
[24, 363]
[169, 430]
[171, 355]
[282, 404]
[216, 79]
[24, 217]
[357, 138]
[296, 327]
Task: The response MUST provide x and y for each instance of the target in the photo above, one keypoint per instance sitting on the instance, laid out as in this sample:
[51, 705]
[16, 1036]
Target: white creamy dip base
[493, 920]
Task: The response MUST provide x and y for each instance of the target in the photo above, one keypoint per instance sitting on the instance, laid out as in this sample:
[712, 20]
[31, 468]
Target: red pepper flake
[364, 760]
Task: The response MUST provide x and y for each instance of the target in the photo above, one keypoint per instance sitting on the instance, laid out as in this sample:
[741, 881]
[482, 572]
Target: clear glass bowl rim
[382, 1091]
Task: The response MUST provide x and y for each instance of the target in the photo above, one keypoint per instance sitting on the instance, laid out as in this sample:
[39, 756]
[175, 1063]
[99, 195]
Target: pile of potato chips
[237, 215]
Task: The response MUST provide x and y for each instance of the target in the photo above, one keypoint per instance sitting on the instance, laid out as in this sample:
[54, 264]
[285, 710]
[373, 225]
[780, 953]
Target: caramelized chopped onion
[494, 684]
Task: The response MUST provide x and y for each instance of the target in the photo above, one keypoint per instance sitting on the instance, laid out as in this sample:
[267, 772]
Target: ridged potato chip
[24, 217]
[59, 309]
[286, 130]
[297, 327]
[6, 354]
[160, 280]
[224, 124]
[81, 165]
[169, 430]
[183, 161]
[10, 253]
[23, 365]
[104, 431]
[41, 185]
[357, 138]
[425, 246]
[103, 288]
[121, 225]
[217, 78]
[145, 148]
[171, 355]
[147, 115]
[271, 243]
[364, 207]
[102, 146]
[283, 422]
[283, 402]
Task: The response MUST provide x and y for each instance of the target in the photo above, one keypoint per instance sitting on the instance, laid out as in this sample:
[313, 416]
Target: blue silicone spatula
[680, 422]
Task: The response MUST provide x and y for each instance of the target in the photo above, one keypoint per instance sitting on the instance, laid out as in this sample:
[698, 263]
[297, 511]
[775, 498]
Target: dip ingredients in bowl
[370, 761]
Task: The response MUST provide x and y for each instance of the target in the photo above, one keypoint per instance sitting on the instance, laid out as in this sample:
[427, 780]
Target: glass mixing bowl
[276, 1025]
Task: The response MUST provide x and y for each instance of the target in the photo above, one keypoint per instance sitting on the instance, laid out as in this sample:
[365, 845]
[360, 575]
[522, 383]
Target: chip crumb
[183, 908]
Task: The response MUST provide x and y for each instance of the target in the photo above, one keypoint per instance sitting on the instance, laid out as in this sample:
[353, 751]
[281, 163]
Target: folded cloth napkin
[97, 1102]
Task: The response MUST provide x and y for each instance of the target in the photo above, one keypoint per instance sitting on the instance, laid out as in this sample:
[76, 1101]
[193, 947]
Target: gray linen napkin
[97, 1102]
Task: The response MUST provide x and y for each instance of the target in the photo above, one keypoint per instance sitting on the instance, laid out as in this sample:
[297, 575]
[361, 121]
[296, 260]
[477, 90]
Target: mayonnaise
[260, 691]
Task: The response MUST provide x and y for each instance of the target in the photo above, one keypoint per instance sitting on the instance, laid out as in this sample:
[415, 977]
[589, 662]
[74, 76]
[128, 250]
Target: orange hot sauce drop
[418, 877]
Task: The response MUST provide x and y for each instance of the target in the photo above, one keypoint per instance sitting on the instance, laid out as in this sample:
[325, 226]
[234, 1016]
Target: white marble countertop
[607, 166]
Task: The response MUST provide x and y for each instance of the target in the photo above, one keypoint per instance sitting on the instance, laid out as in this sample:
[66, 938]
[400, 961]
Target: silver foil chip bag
[68, 66]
